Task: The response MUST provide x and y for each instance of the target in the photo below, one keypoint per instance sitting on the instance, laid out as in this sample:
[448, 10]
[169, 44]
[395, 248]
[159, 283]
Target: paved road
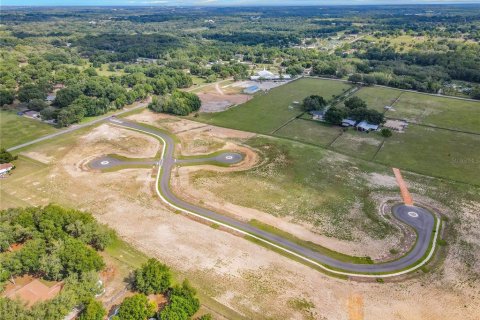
[78, 126]
[418, 218]
[107, 162]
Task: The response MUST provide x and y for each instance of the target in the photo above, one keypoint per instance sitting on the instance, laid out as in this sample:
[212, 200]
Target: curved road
[421, 220]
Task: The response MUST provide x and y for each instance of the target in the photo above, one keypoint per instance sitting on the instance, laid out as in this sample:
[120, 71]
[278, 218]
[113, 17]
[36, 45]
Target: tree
[207, 316]
[373, 116]
[78, 258]
[355, 78]
[37, 104]
[136, 307]
[6, 156]
[6, 97]
[294, 70]
[93, 310]
[66, 96]
[385, 132]
[183, 303]
[179, 103]
[70, 115]
[355, 103]
[335, 115]
[314, 103]
[152, 277]
[31, 91]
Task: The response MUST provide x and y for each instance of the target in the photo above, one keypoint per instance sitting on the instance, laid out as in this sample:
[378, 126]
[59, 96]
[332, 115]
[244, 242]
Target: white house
[5, 168]
[267, 75]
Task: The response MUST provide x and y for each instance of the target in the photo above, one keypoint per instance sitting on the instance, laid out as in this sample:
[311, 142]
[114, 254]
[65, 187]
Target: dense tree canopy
[179, 103]
[314, 103]
[152, 277]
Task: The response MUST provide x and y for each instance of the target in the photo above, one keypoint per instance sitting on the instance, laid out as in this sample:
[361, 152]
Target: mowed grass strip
[15, 129]
[267, 112]
[434, 152]
[308, 131]
[438, 111]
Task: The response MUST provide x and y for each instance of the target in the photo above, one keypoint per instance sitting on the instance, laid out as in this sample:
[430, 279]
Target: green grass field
[15, 130]
[438, 111]
[377, 97]
[358, 144]
[313, 132]
[267, 112]
[434, 152]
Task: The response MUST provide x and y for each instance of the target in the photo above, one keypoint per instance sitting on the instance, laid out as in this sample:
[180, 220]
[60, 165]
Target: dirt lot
[236, 273]
[220, 96]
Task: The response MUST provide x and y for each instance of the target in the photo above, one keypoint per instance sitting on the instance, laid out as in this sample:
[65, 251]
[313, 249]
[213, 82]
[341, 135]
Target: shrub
[385, 132]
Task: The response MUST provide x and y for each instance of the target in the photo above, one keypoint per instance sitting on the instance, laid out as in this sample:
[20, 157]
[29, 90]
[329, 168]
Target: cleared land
[238, 279]
[15, 129]
[267, 112]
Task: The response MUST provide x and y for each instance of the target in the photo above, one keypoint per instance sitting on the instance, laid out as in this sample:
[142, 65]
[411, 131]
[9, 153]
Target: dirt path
[219, 90]
[407, 197]
[355, 307]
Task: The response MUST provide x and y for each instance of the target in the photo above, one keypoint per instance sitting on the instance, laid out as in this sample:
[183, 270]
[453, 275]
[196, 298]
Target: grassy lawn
[267, 112]
[15, 130]
[434, 152]
[438, 111]
[358, 144]
[317, 133]
[377, 97]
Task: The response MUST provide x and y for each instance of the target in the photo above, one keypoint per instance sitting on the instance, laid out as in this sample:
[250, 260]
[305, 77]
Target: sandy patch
[39, 156]
[381, 180]
[216, 102]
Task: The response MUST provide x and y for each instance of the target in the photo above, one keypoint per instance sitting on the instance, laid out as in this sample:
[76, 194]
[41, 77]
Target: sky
[216, 2]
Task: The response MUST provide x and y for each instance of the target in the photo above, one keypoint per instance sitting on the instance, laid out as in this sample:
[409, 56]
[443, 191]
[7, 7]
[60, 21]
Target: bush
[6, 156]
[385, 132]
[152, 277]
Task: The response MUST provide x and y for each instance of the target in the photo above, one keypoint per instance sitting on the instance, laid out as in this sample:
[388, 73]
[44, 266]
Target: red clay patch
[407, 197]
[32, 291]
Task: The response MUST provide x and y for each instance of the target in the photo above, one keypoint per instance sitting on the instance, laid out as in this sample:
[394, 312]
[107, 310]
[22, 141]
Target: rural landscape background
[193, 162]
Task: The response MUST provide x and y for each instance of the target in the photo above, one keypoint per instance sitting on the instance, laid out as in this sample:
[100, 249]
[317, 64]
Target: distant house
[348, 123]
[267, 75]
[317, 115]
[367, 127]
[251, 90]
[50, 98]
[32, 114]
[5, 168]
